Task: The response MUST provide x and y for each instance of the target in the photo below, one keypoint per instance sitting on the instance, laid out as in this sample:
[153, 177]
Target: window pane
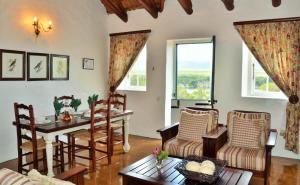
[136, 77]
[194, 71]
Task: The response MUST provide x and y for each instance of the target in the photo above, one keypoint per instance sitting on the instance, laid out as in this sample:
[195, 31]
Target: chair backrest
[24, 113]
[118, 100]
[248, 125]
[213, 112]
[65, 99]
[102, 107]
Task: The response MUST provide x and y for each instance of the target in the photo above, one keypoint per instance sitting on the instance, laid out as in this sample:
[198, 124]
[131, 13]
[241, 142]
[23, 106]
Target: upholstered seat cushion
[9, 177]
[183, 148]
[192, 126]
[245, 158]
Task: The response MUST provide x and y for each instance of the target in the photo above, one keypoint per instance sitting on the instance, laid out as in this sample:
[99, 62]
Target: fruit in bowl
[206, 167]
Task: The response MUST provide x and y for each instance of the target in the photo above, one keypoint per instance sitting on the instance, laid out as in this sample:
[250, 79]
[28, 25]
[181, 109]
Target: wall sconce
[39, 26]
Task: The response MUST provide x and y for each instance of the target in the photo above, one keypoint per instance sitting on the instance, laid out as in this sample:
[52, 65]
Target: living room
[82, 29]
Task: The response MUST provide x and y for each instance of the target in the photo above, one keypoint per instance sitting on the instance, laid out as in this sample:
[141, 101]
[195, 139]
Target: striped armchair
[185, 138]
[250, 141]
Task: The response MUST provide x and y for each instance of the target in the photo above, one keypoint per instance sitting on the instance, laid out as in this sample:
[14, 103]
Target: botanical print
[12, 65]
[60, 67]
[38, 66]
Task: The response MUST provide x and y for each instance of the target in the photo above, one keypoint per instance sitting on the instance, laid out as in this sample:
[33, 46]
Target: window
[194, 69]
[256, 82]
[136, 78]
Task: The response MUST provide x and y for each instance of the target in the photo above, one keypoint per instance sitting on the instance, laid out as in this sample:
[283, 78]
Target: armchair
[249, 142]
[185, 138]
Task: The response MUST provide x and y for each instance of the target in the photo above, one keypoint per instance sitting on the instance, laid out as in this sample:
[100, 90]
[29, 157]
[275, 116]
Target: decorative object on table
[160, 156]
[66, 117]
[198, 168]
[88, 63]
[59, 67]
[75, 104]
[92, 99]
[12, 65]
[37, 66]
[38, 26]
[57, 107]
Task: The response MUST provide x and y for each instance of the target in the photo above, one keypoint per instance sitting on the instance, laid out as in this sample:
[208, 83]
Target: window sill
[133, 89]
[265, 97]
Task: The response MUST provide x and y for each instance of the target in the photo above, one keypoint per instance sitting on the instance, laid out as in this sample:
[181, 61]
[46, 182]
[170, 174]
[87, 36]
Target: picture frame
[59, 67]
[12, 65]
[37, 66]
[88, 63]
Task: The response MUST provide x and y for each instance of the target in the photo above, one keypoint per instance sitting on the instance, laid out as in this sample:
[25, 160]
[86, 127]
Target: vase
[159, 164]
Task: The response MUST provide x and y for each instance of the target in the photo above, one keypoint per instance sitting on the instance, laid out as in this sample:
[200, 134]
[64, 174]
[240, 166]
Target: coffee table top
[146, 170]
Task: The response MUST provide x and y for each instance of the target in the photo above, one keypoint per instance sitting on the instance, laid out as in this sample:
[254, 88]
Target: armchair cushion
[183, 148]
[9, 177]
[214, 117]
[193, 126]
[248, 129]
[241, 157]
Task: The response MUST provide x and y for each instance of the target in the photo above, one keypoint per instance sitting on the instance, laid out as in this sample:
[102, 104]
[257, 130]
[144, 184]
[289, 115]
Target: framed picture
[37, 66]
[59, 67]
[12, 65]
[88, 63]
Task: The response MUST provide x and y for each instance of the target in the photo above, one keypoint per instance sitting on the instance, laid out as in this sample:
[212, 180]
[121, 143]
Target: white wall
[79, 30]
[209, 18]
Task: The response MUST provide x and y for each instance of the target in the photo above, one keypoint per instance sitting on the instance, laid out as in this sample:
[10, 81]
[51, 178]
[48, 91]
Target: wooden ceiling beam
[117, 8]
[229, 4]
[161, 5]
[187, 6]
[276, 3]
[150, 6]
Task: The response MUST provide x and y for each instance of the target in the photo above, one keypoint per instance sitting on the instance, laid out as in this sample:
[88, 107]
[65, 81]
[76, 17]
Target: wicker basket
[201, 177]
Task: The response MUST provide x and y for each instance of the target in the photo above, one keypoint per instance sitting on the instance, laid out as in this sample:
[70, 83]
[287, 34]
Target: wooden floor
[283, 171]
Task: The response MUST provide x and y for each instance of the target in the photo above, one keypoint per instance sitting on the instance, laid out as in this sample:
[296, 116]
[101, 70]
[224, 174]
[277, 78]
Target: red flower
[155, 151]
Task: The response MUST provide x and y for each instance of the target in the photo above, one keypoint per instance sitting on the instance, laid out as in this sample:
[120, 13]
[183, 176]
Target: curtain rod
[267, 21]
[130, 32]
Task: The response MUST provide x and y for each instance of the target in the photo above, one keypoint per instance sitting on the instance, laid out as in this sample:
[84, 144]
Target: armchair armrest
[213, 141]
[168, 133]
[74, 175]
[272, 139]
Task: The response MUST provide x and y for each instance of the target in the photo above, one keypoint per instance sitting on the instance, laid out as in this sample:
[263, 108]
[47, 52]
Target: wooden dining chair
[67, 143]
[29, 143]
[100, 112]
[118, 102]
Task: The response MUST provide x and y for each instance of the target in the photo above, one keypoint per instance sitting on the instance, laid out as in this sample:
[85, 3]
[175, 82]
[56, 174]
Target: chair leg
[123, 132]
[56, 148]
[20, 160]
[45, 167]
[62, 161]
[69, 149]
[93, 155]
[73, 151]
[109, 149]
[112, 142]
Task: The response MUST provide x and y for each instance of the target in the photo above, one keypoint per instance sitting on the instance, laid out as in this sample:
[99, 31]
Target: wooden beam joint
[229, 4]
[117, 8]
[187, 6]
[150, 6]
[276, 3]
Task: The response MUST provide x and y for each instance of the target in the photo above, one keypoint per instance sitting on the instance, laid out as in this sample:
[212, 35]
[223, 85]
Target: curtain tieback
[293, 99]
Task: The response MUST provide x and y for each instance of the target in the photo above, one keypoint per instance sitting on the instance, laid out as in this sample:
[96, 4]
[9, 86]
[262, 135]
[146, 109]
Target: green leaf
[75, 103]
[58, 106]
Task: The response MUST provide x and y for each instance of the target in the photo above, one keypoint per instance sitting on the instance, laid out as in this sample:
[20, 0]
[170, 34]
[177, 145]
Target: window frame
[248, 78]
[136, 88]
[175, 68]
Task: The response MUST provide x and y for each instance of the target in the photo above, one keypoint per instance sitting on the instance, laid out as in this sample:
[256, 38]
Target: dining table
[58, 127]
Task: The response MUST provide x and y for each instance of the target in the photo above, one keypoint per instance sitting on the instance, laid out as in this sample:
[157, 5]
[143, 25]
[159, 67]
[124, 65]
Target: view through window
[136, 77]
[194, 75]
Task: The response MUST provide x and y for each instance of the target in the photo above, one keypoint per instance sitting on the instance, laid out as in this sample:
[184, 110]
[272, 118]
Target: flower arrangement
[160, 156]
[92, 99]
[75, 104]
[57, 107]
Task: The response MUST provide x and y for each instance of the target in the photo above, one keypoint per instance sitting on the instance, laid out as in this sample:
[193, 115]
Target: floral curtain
[124, 48]
[276, 45]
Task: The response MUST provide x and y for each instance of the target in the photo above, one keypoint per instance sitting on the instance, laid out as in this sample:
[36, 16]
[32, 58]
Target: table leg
[126, 146]
[49, 152]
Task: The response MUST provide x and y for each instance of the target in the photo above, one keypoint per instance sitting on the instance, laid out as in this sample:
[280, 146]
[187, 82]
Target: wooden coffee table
[144, 172]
